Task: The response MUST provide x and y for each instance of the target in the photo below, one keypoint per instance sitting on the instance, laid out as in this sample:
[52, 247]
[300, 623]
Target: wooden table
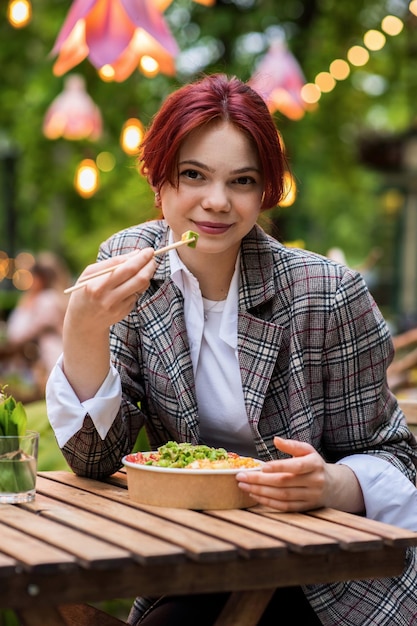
[82, 541]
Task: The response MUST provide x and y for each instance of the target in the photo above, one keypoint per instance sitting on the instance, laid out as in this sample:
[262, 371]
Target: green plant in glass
[17, 466]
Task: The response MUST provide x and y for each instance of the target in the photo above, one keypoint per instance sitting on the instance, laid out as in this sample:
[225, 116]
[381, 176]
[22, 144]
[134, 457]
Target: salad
[188, 456]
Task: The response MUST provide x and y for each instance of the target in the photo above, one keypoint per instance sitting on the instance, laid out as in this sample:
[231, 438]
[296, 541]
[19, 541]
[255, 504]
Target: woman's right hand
[107, 299]
[102, 302]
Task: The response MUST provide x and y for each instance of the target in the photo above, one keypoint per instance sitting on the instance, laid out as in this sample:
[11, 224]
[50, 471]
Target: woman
[271, 352]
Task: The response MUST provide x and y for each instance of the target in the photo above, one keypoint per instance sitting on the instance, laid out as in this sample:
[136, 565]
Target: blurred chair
[409, 408]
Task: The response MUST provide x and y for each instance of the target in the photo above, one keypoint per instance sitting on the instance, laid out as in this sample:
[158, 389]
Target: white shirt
[223, 420]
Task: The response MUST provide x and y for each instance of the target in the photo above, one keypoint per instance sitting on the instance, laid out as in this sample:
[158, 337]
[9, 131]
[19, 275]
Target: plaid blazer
[313, 351]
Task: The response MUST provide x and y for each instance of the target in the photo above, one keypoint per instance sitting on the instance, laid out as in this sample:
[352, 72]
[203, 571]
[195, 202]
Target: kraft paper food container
[187, 488]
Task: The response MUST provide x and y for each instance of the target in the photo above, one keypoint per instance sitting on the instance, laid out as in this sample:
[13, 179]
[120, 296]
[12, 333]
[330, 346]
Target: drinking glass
[18, 466]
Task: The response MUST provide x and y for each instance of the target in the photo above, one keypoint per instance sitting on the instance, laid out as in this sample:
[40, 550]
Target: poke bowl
[188, 477]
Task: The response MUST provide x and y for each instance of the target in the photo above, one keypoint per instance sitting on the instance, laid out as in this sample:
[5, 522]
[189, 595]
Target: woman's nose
[216, 198]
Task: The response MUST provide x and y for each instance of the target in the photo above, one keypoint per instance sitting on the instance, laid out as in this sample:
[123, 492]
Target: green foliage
[8, 618]
[49, 455]
[13, 419]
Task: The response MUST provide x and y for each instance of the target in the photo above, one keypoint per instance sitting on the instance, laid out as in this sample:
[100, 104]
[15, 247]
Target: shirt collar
[188, 285]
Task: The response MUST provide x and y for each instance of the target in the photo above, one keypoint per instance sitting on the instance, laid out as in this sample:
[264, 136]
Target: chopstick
[82, 283]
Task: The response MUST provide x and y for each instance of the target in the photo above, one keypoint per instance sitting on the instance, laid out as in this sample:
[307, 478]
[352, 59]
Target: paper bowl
[187, 488]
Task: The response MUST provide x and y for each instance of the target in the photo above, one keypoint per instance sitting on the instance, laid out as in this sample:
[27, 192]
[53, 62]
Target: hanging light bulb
[279, 80]
[131, 136]
[19, 13]
[105, 31]
[143, 52]
[73, 114]
[149, 66]
[86, 180]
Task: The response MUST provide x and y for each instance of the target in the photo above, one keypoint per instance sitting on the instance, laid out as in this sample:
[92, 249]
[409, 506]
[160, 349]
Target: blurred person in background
[34, 327]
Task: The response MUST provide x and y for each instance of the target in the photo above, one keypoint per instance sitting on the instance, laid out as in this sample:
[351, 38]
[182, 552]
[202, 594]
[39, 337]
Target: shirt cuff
[389, 495]
[66, 413]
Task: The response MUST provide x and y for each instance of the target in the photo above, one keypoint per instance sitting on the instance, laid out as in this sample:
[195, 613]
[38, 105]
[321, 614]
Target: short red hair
[214, 98]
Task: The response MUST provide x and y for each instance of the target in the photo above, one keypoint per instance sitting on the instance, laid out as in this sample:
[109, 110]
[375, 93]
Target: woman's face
[220, 189]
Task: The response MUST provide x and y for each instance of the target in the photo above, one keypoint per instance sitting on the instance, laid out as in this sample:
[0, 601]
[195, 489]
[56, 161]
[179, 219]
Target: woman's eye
[191, 174]
[245, 180]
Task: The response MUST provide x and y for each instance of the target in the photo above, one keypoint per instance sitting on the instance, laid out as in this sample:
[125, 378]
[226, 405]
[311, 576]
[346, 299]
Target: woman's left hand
[303, 482]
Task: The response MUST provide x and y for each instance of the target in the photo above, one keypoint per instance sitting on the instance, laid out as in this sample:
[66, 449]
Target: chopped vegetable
[188, 456]
[191, 237]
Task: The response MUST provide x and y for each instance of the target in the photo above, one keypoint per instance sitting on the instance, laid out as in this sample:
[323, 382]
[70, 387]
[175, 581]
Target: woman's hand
[103, 301]
[108, 299]
[303, 482]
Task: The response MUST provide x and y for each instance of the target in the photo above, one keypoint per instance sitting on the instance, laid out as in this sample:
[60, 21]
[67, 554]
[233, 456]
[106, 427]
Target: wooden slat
[249, 542]
[7, 565]
[197, 545]
[32, 554]
[117, 492]
[89, 551]
[298, 539]
[392, 535]
[248, 539]
[348, 538]
[141, 545]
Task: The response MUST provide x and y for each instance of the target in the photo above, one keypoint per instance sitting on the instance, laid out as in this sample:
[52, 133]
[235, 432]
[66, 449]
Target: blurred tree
[340, 200]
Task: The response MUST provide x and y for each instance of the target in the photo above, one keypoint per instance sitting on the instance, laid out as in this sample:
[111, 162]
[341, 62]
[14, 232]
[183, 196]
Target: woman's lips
[212, 228]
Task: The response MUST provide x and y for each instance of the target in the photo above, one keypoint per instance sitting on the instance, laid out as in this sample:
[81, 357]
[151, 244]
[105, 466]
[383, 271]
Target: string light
[374, 40]
[5, 264]
[86, 180]
[310, 93]
[358, 56]
[339, 69]
[22, 279]
[131, 136]
[19, 13]
[392, 25]
[149, 66]
[413, 7]
[325, 81]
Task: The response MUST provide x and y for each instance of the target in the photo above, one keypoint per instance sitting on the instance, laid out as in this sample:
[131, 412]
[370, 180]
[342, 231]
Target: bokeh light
[19, 13]
[22, 279]
[358, 56]
[105, 161]
[290, 190]
[131, 136]
[374, 40]
[310, 93]
[339, 69]
[392, 25]
[325, 82]
[87, 178]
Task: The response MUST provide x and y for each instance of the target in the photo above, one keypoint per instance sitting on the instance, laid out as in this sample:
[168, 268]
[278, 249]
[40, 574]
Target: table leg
[245, 608]
[86, 615]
